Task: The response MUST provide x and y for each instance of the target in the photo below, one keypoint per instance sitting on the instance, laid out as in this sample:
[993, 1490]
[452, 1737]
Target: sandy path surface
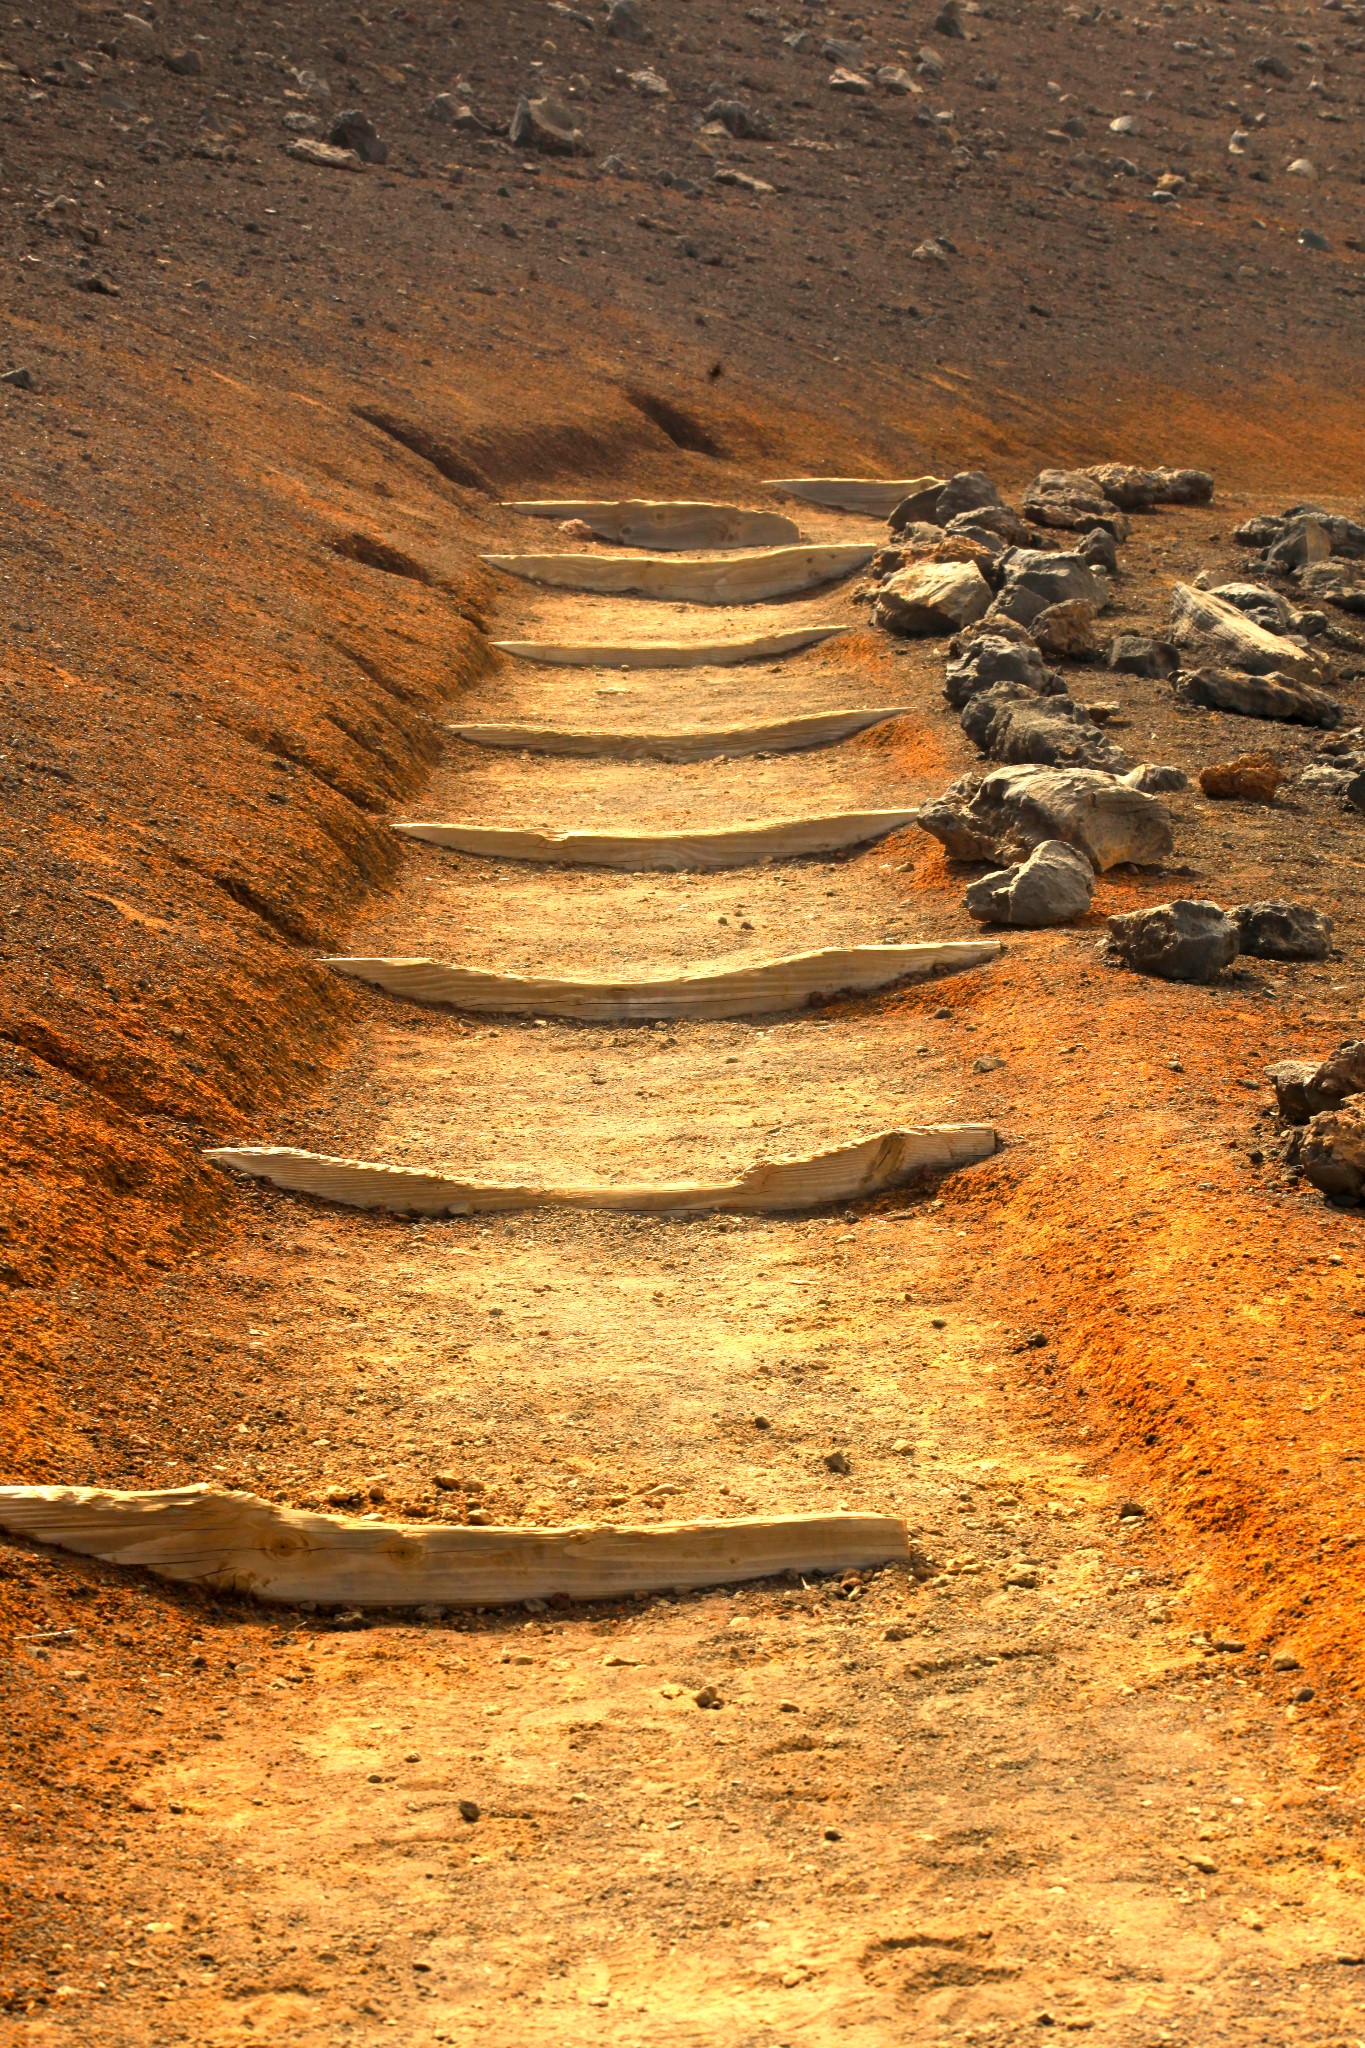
[1008, 1796]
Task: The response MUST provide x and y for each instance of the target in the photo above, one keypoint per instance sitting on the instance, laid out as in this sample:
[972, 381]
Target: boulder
[968, 491]
[546, 125]
[1304, 1088]
[1180, 941]
[1133, 654]
[1005, 814]
[1333, 583]
[1282, 931]
[1010, 722]
[1137, 490]
[1354, 792]
[625, 20]
[931, 597]
[1199, 616]
[1266, 607]
[990, 659]
[1036, 578]
[1051, 887]
[1156, 779]
[1302, 541]
[1259, 696]
[1066, 631]
[1070, 499]
[354, 130]
[1332, 1152]
[1293, 1083]
[1253, 777]
[745, 123]
[997, 519]
[1099, 549]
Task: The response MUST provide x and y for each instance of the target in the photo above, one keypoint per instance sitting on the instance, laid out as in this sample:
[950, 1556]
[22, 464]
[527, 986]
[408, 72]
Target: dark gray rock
[1099, 549]
[1071, 499]
[1036, 578]
[968, 491]
[1133, 654]
[1292, 1081]
[1004, 815]
[1179, 941]
[999, 520]
[1051, 887]
[1334, 583]
[1254, 601]
[1268, 696]
[1302, 541]
[625, 20]
[355, 130]
[1306, 1088]
[1282, 931]
[745, 123]
[1354, 793]
[990, 659]
[1011, 723]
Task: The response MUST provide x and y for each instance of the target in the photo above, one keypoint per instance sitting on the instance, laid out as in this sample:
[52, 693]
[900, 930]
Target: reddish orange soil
[244, 502]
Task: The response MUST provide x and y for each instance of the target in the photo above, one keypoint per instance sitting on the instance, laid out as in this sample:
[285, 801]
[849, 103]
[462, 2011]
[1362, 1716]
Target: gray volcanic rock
[1156, 778]
[1304, 1088]
[1137, 490]
[1282, 931]
[1262, 696]
[1011, 722]
[1036, 579]
[1051, 887]
[931, 597]
[1004, 815]
[1070, 498]
[1179, 941]
[989, 659]
[546, 125]
[1332, 1151]
[969, 491]
[1133, 654]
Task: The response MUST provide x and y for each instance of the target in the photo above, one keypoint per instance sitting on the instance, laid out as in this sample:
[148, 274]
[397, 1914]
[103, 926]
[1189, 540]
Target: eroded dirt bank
[245, 500]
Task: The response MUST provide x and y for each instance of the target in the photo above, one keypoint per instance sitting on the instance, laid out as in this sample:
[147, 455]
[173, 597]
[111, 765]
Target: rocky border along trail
[1012, 1794]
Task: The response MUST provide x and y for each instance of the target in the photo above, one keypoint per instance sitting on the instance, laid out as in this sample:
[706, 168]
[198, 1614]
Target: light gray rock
[1334, 583]
[1051, 887]
[1200, 619]
[1004, 815]
[1100, 549]
[1282, 931]
[999, 520]
[1258, 696]
[969, 491]
[1155, 779]
[546, 125]
[1138, 490]
[1179, 941]
[931, 597]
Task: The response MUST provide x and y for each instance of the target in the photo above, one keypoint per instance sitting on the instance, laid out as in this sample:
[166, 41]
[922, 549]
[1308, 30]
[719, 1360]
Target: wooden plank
[846, 1173]
[733, 846]
[766, 988]
[730, 742]
[236, 1542]
[718, 579]
[667, 653]
[665, 523]
[878, 497]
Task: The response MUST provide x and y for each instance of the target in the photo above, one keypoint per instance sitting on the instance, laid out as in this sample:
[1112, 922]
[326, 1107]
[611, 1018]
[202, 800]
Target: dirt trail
[960, 1810]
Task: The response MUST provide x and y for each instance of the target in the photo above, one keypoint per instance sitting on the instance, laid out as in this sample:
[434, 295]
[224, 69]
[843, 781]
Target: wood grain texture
[728, 846]
[766, 988]
[667, 653]
[719, 579]
[664, 522]
[843, 1174]
[731, 742]
[237, 1543]
[878, 497]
